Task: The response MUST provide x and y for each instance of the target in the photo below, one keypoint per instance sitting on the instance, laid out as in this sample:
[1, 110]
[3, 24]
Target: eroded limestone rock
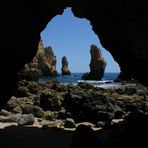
[97, 65]
[43, 64]
[121, 27]
[65, 70]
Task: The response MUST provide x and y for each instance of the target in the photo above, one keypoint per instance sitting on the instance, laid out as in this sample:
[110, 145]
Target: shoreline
[107, 84]
[75, 77]
[53, 111]
[31, 95]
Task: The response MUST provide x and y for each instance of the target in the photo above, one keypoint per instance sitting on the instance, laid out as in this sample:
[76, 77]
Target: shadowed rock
[120, 25]
[84, 137]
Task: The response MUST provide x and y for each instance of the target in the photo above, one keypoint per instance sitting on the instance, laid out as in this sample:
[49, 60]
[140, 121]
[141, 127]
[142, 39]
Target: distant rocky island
[97, 65]
[44, 64]
[65, 70]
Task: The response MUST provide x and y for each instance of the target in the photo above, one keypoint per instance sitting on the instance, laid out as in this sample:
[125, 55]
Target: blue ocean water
[75, 77]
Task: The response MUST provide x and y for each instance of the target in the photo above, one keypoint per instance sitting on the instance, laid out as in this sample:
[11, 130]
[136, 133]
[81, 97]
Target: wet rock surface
[122, 30]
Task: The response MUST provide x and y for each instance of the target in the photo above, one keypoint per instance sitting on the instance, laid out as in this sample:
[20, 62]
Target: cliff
[43, 64]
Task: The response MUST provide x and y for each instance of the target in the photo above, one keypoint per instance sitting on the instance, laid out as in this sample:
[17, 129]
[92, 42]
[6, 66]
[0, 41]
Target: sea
[75, 78]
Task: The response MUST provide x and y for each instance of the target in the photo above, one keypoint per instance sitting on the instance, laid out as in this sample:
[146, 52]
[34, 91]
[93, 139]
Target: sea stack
[49, 67]
[43, 64]
[97, 65]
[65, 70]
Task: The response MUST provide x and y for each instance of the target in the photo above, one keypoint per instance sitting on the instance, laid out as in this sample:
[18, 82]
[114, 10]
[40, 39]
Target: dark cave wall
[20, 27]
[120, 24]
[122, 28]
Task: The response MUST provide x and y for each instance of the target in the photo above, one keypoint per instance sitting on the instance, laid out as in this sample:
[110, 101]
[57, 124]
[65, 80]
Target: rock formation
[43, 64]
[122, 31]
[49, 67]
[120, 25]
[97, 65]
[65, 70]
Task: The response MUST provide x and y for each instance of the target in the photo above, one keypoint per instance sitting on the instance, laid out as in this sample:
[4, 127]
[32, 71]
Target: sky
[72, 37]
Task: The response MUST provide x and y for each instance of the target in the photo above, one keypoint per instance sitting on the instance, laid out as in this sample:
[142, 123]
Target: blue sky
[72, 37]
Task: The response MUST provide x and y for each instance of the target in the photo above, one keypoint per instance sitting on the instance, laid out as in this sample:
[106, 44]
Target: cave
[120, 25]
[72, 37]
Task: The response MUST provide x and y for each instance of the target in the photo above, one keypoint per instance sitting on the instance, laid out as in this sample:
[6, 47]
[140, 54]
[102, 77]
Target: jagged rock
[97, 65]
[33, 87]
[50, 102]
[49, 66]
[43, 64]
[122, 30]
[65, 70]
[83, 104]
[28, 72]
[14, 102]
[85, 85]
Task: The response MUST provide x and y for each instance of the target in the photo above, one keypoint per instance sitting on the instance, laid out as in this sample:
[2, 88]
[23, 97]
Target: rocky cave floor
[93, 116]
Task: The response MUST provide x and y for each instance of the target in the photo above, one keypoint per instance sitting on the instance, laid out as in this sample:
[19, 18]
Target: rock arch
[121, 26]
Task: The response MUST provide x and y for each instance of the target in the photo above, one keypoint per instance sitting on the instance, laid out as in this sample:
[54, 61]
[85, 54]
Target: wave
[96, 82]
[77, 77]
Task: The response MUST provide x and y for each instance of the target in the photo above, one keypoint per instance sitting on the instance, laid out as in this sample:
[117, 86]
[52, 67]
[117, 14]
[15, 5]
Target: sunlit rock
[65, 70]
[43, 64]
[97, 65]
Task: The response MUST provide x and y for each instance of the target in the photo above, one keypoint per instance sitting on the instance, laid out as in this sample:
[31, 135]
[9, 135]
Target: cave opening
[50, 101]
[72, 37]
